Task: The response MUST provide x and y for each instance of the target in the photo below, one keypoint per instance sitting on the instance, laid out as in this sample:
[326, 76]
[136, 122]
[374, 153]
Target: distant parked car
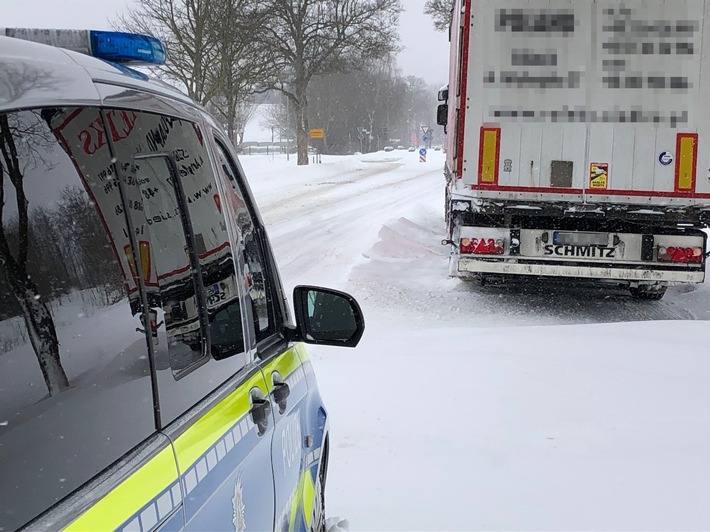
[437, 148]
[412, 148]
[401, 148]
[388, 148]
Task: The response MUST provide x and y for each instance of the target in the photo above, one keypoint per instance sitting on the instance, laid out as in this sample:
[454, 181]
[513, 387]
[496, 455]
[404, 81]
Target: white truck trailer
[578, 140]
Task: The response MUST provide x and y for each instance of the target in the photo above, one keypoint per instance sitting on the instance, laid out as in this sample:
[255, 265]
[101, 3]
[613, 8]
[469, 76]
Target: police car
[151, 374]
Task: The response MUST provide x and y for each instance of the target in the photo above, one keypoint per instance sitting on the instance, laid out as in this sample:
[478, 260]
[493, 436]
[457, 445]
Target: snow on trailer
[573, 140]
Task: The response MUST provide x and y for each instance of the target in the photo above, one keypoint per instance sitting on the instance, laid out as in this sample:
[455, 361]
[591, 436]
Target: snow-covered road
[320, 226]
[533, 406]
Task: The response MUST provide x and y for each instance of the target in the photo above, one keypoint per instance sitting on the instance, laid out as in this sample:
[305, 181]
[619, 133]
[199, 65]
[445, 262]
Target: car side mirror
[442, 114]
[327, 317]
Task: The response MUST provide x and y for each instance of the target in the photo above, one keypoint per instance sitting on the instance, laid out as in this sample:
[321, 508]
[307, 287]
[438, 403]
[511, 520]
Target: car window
[257, 284]
[187, 260]
[75, 385]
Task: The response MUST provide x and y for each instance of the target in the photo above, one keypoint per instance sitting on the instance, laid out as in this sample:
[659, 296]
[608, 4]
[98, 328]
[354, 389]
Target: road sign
[422, 155]
[317, 133]
[425, 138]
[426, 130]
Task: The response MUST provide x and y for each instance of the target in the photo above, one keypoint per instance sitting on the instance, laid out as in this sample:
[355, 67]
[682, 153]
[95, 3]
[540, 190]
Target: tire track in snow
[286, 199]
[345, 225]
[324, 198]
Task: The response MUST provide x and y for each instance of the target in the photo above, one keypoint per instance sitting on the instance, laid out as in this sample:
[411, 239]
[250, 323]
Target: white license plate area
[562, 238]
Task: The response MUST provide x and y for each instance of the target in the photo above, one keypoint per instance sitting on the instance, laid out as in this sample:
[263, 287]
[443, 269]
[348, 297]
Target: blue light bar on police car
[127, 47]
[114, 46]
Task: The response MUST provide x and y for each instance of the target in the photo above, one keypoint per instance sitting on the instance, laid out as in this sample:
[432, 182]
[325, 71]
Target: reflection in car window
[168, 272]
[188, 266]
[256, 275]
[75, 388]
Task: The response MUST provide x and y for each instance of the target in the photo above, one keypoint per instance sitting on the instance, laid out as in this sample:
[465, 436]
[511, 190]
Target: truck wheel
[644, 293]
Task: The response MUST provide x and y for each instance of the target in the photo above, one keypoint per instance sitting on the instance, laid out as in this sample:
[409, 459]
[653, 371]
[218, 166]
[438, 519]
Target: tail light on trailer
[482, 246]
[680, 254]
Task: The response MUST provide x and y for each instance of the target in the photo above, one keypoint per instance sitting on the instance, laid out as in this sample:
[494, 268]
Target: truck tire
[644, 293]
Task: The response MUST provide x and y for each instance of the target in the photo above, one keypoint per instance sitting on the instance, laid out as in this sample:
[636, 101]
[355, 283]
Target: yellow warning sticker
[598, 175]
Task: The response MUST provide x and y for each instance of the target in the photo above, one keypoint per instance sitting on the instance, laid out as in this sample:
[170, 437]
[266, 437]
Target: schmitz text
[581, 251]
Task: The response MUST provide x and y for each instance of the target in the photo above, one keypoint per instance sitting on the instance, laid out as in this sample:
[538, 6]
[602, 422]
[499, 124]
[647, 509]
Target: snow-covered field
[525, 407]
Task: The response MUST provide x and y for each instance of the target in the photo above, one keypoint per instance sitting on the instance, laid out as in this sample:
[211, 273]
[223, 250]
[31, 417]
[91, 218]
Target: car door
[214, 403]
[299, 416]
[299, 430]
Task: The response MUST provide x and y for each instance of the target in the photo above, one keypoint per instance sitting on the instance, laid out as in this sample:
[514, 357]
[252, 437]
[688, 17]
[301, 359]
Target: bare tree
[382, 98]
[369, 92]
[186, 29]
[211, 46]
[308, 38]
[326, 95]
[243, 62]
[38, 319]
[244, 112]
[280, 119]
[440, 11]
[85, 241]
[382, 107]
[234, 116]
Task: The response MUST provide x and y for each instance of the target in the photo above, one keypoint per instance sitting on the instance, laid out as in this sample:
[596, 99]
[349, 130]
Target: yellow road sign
[317, 133]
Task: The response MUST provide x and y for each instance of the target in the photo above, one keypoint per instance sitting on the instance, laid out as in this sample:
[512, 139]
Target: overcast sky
[424, 55]
[426, 52]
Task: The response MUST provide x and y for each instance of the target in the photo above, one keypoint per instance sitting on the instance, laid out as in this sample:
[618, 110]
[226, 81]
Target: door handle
[260, 413]
[281, 392]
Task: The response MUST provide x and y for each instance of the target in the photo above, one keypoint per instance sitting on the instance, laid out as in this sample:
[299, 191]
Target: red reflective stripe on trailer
[579, 191]
[464, 88]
